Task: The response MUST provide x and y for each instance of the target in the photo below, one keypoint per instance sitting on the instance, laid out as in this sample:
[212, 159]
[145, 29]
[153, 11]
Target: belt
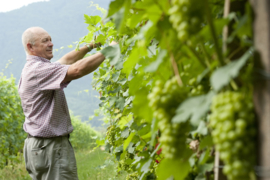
[30, 136]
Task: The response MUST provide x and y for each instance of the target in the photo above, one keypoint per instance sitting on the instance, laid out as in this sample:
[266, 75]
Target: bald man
[47, 151]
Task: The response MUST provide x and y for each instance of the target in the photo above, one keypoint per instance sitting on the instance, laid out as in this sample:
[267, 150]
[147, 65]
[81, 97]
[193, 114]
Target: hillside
[64, 21]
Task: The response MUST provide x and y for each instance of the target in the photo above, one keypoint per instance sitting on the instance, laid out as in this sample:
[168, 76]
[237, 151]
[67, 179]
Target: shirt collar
[37, 58]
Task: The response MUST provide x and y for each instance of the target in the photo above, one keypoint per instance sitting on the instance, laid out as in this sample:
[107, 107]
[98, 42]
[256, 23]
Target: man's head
[37, 42]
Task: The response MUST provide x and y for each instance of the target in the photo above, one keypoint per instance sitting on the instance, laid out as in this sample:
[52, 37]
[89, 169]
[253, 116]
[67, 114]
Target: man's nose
[50, 44]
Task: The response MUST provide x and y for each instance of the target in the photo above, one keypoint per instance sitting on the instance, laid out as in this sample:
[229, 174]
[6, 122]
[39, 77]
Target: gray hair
[29, 37]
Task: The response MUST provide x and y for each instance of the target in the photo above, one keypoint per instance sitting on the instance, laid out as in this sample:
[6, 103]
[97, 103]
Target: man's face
[43, 46]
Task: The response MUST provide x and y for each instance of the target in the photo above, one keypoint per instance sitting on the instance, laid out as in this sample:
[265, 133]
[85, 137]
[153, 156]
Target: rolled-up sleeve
[49, 76]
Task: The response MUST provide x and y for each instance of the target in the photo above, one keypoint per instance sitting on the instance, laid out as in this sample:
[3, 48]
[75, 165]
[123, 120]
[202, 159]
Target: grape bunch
[133, 176]
[186, 17]
[197, 89]
[164, 99]
[110, 134]
[122, 164]
[232, 121]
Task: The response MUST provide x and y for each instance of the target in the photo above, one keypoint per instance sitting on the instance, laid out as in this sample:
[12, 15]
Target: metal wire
[262, 74]
[259, 171]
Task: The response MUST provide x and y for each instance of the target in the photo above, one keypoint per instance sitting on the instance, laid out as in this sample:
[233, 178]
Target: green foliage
[83, 136]
[11, 121]
[158, 83]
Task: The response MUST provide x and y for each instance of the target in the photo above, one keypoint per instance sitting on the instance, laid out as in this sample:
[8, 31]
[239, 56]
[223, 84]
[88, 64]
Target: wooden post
[261, 96]
[218, 174]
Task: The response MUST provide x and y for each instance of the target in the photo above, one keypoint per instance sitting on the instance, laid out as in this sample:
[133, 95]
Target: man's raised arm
[74, 55]
[85, 66]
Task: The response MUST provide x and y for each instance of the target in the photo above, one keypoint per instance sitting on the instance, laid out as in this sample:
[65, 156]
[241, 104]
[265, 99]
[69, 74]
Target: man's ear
[29, 47]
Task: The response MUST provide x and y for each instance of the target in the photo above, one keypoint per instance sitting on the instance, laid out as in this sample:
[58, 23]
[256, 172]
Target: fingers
[113, 43]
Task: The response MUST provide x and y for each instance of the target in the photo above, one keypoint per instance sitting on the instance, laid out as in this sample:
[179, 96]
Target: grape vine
[157, 86]
[11, 121]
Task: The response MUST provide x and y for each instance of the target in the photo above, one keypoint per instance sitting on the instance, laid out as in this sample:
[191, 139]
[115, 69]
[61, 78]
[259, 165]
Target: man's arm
[84, 66]
[74, 55]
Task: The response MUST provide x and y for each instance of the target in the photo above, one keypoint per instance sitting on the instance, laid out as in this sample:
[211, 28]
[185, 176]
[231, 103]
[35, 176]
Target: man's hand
[113, 43]
[93, 45]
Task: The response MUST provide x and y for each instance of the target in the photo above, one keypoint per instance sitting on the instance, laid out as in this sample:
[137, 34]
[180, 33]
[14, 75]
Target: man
[47, 151]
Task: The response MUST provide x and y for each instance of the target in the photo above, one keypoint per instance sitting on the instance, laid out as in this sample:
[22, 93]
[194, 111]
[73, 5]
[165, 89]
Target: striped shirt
[43, 99]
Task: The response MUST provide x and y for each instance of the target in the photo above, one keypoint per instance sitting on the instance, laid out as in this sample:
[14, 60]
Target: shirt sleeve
[50, 76]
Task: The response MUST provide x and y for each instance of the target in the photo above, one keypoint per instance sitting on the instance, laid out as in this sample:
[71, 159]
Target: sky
[9, 5]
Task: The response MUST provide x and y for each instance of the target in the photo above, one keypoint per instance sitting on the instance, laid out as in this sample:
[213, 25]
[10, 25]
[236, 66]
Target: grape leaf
[154, 65]
[113, 53]
[225, 74]
[206, 142]
[101, 39]
[115, 6]
[122, 82]
[124, 120]
[131, 61]
[202, 129]
[125, 133]
[194, 108]
[128, 140]
[173, 167]
[115, 76]
[92, 20]
[120, 102]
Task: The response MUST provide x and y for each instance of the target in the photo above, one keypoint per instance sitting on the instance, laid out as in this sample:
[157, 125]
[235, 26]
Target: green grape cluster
[232, 120]
[133, 176]
[186, 17]
[164, 99]
[197, 89]
[122, 164]
[110, 134]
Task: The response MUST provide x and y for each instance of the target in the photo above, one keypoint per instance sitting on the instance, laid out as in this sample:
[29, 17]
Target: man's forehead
[42, 34]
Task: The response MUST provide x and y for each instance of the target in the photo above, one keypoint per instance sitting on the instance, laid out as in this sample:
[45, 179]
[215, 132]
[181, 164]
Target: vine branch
[197, 56]
[213, 32]
[175, 69]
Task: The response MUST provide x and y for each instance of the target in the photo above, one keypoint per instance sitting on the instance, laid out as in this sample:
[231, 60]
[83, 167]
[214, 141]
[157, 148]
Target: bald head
[30, 35]
[37, 42]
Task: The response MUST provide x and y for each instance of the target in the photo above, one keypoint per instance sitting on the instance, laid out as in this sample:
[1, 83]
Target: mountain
[64, 21]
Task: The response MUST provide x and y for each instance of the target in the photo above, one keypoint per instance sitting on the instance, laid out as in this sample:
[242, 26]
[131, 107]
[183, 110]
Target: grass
[92, 165]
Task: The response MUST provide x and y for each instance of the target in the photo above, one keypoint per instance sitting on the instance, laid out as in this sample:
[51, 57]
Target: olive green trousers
[50, 158]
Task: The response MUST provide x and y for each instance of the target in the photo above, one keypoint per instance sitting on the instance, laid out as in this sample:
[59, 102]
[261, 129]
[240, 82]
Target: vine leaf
[124, 120]
[113, 53]
[193, 108]
[122, 82]
[173, 167]
[140, 105]
[115, 6]
[125, 133]
[120, 102]
[100, 142]
[135, 84]
[145, 168]
[222, 76]
[202, 129]
[115, 76]
[101, 38]
[112, 100]
[92, 20]
[206, 141]
[154, 65]
[128, 140]
[131, 61]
